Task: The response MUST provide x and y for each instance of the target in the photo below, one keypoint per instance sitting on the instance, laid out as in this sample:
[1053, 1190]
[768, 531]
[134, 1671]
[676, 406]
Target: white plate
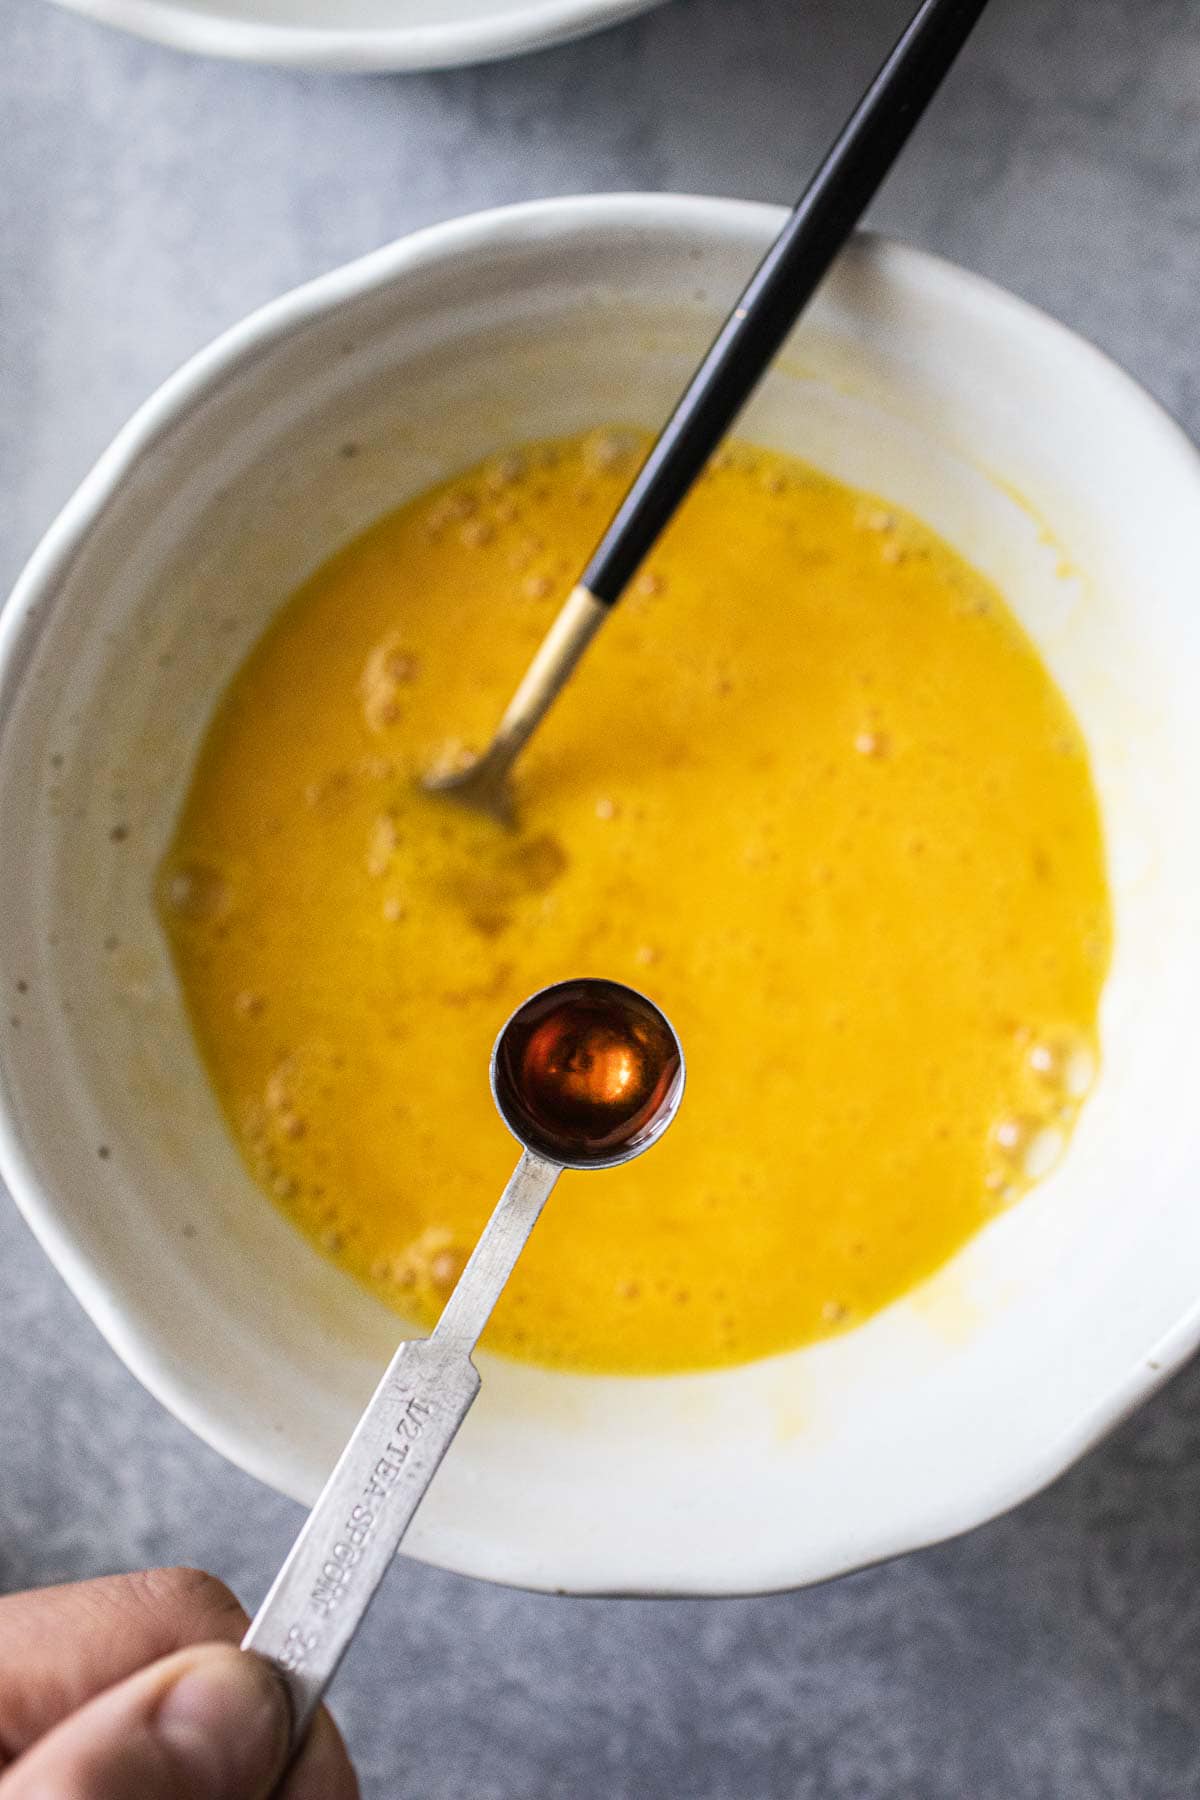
[908, 377]
[360, 34]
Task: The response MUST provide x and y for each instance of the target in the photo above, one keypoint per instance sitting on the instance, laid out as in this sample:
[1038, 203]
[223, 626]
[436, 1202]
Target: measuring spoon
[586, 1074]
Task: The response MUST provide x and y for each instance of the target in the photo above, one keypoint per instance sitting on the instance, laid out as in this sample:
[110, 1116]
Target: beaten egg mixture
[812, 790]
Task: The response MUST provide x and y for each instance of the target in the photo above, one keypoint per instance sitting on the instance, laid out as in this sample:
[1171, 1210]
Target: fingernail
[226, 1720]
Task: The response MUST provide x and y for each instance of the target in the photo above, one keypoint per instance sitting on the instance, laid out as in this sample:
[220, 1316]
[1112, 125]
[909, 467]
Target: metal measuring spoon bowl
[588, 1074]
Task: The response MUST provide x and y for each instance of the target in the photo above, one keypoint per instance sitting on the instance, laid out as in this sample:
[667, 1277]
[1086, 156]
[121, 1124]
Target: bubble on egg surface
[871, 743]
[608, 451]
[1011, 1135]
[1080, 1071]
[390, 668]
[1043, 1151]
[198, 892]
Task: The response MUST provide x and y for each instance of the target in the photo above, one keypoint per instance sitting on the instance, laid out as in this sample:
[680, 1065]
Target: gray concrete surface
[146, 201]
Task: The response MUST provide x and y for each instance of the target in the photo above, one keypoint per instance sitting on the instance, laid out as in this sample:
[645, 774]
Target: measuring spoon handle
[320, 1595]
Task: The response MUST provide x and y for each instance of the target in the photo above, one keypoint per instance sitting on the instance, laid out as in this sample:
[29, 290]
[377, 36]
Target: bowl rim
[524, 25]
[25, 613]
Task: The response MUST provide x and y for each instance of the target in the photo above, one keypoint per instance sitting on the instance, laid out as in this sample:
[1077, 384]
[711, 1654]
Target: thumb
[210, 1723]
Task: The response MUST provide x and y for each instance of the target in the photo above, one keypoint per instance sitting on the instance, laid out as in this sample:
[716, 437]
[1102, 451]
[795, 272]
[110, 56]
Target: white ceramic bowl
[360, 34]
[1031, 453]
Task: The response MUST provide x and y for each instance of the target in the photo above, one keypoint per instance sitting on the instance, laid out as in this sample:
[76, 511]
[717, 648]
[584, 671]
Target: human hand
[132, 1688]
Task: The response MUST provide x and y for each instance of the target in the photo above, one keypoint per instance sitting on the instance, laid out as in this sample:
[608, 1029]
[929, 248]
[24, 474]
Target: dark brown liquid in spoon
[586, 1071]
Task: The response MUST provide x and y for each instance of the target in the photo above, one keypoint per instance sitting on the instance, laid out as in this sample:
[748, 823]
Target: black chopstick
[782, 286]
